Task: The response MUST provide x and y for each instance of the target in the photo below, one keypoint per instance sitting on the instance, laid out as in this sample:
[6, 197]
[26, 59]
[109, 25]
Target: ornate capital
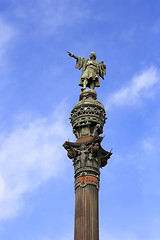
[88, 118]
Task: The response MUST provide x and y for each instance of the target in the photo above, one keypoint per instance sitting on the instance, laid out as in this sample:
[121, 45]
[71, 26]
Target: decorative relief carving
[87, 156]
[88, 115]
[87, 118]
[85, 179]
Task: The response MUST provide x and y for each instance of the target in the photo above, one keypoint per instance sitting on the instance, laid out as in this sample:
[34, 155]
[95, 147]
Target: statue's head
[92, 55]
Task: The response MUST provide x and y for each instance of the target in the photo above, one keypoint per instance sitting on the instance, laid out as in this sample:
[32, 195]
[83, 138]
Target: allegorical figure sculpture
[91, 70]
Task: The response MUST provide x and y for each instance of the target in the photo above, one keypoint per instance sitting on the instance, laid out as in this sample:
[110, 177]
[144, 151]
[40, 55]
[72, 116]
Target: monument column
[87, 118]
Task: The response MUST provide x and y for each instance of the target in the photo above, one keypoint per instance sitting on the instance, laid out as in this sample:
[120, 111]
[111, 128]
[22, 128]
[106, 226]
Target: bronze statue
[91, 70]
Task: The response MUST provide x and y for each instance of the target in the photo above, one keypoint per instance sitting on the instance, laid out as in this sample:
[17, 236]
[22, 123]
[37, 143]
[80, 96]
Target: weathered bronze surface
[87, 118]
[91, 70]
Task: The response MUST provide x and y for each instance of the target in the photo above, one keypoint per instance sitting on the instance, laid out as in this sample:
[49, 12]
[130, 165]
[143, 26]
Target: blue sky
[38, 89]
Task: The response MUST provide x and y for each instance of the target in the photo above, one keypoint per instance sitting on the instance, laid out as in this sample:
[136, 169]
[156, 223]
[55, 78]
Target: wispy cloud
[29, 155]
[144, 159]
[149, 162]
[49, 16]
[7, 33]
[142, 85]
[156, 26]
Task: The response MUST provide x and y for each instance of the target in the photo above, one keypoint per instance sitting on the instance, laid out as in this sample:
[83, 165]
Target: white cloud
[156, 26]
[7, 36]
[150, 145]
[29, 155]
[141, 85]
[49, 15]
[7, 32]
[144, 159]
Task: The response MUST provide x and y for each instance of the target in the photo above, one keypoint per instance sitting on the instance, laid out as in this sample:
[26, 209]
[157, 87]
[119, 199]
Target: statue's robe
[91, 70]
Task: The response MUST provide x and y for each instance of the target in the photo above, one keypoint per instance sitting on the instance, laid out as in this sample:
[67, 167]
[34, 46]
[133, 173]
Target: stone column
[86, 213]
[87, 118]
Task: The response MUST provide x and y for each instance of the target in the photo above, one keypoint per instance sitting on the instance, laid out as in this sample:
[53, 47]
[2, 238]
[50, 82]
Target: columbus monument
[87, 118]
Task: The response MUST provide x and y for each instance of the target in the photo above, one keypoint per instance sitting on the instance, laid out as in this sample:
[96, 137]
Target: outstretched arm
[72, 55]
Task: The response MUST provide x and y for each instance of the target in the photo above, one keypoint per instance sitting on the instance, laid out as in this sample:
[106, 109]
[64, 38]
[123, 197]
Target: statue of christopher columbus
[91, 70]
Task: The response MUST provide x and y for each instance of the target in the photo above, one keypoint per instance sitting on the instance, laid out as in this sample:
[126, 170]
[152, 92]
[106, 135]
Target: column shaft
[86, 213]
